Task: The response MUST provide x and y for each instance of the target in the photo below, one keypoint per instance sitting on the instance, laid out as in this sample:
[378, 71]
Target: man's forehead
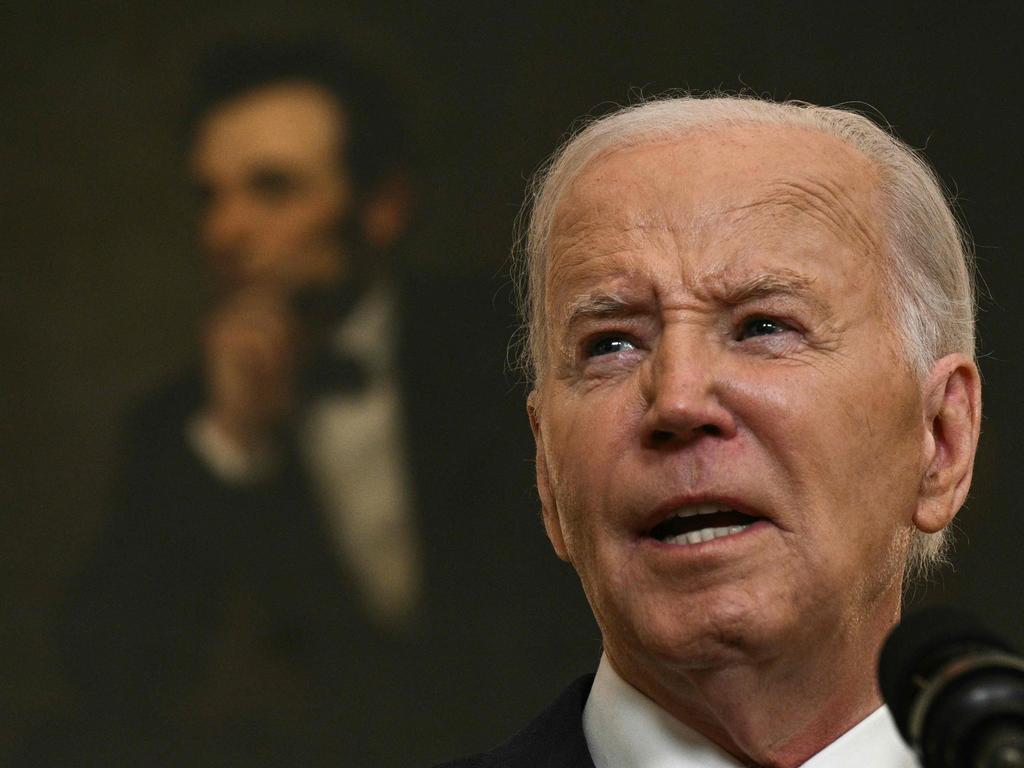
[289, 121]
[760, 186]
[716, 170]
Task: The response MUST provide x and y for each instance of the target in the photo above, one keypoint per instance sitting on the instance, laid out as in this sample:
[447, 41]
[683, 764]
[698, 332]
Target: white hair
[928, 268]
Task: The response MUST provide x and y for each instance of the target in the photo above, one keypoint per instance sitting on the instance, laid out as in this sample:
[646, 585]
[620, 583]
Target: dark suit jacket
[553, 740]
[216, 621]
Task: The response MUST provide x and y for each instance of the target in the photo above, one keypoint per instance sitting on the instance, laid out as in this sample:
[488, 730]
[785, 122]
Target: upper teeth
[703, 534]
[700, 509]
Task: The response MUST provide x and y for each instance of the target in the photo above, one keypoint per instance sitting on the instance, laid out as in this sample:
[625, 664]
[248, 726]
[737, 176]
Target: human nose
[681, 386]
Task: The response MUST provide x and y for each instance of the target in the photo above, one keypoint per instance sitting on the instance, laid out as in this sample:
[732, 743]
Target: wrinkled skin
[717, 333]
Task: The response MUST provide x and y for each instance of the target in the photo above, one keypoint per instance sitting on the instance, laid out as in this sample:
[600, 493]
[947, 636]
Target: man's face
[718, 343]
[273, 188]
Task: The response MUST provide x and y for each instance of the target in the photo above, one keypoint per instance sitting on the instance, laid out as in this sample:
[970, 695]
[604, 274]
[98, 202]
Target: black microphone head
[922, 644]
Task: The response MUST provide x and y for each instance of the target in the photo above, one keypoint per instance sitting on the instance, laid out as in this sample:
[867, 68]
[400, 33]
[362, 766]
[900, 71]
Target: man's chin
[701, 635]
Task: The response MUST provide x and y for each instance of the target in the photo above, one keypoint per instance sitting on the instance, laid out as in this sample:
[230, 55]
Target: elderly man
[756, 409]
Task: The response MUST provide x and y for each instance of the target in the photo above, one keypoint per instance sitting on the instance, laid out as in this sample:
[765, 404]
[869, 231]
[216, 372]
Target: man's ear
[385, 216]
[549, 509]
[952, 410]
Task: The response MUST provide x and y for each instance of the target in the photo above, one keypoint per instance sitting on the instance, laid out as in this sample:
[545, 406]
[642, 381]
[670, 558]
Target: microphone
[955, 690]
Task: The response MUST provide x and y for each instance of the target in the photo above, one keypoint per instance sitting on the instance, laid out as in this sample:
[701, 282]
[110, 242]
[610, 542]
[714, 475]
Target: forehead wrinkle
[824, 201]
[588, 251]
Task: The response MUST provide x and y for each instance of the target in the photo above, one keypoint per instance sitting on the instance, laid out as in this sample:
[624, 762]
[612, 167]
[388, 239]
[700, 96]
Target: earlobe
[549, 510]
[952, 403]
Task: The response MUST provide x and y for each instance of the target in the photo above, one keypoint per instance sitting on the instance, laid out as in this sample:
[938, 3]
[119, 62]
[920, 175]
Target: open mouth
[697, 523]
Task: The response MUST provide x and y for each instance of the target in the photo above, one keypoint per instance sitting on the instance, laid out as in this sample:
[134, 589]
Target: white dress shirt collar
[369, 331]
[625, 729]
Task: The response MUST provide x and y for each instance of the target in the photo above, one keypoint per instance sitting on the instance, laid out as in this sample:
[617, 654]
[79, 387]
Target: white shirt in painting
[353, 447]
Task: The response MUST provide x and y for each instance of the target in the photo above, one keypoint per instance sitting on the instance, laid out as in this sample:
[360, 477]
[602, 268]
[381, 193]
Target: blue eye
[761, 326]
[608, 345]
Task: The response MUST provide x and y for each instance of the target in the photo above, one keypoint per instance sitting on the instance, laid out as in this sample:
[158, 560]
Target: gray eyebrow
[590, 306]
[781, 283]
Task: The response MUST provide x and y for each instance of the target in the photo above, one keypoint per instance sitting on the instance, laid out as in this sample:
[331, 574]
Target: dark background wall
[101, 287]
